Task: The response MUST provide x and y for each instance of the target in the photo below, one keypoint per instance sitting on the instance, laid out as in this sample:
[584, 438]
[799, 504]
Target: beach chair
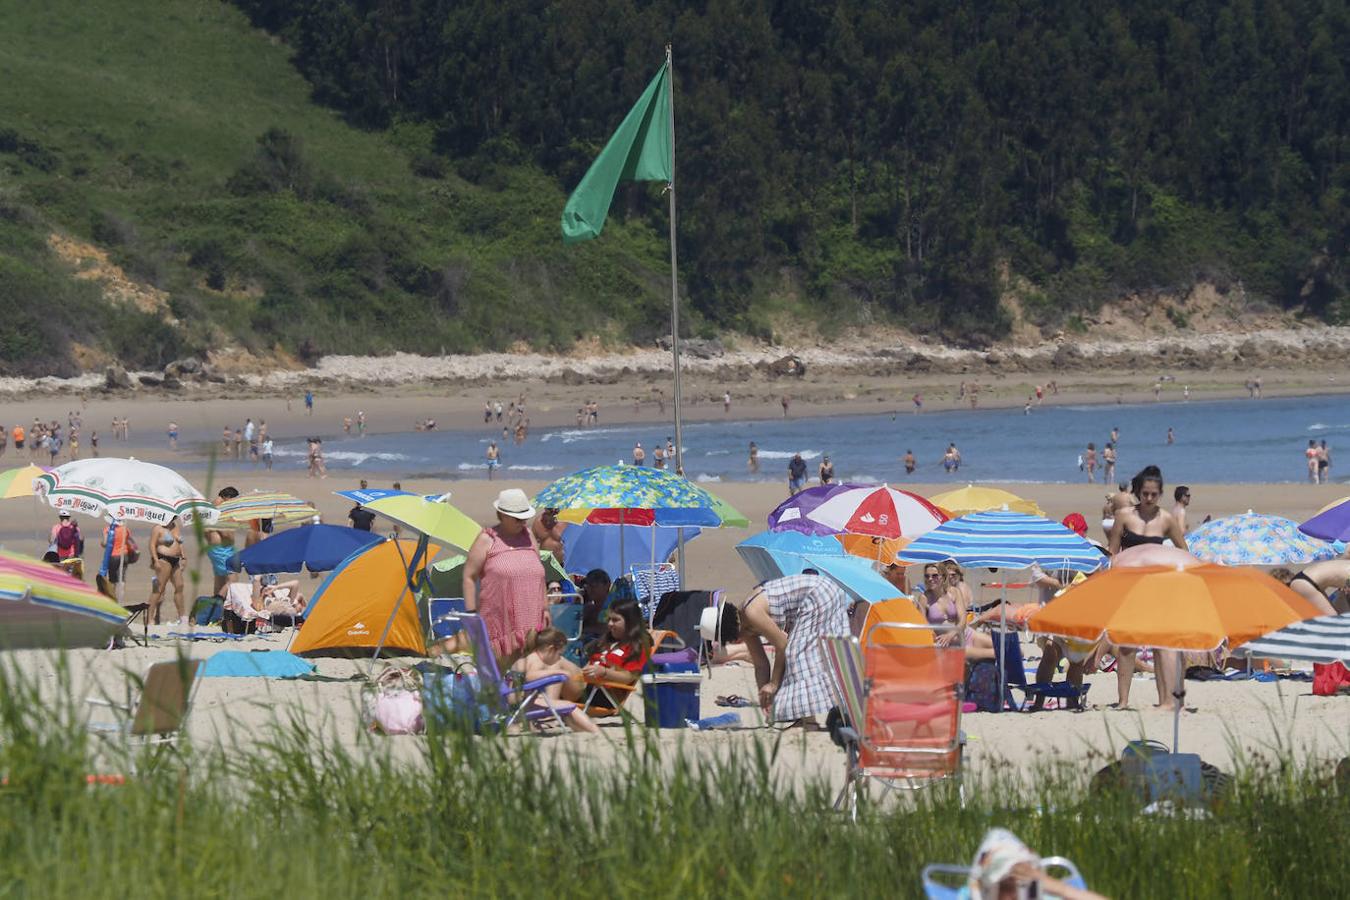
[651, 582]
[443, 617]
[948, 882]
[508, 703]
[901, 709]
[567, 618]
[607, 698]
[158, 716]
[1008, 653]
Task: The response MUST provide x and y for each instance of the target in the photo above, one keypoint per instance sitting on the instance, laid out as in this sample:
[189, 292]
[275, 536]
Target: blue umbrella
[319, 548]
[1331, 524]
[999, 539]
[614, 548]
[855, 575]
[369, 495]
[773, 554]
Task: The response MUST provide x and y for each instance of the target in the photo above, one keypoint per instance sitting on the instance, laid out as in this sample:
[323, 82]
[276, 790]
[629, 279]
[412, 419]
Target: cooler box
[670, 696]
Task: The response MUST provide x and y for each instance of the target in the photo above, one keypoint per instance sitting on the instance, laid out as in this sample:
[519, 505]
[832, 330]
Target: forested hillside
[851, 162]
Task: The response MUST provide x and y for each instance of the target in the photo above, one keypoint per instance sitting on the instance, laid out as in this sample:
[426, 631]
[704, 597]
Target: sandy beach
[1232, 722]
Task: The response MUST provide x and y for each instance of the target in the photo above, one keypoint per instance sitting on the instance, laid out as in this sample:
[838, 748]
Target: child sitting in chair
[547, 659]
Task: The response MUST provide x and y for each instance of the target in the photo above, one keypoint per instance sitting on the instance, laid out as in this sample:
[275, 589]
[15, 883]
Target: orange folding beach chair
[900, 705]
[607, 698]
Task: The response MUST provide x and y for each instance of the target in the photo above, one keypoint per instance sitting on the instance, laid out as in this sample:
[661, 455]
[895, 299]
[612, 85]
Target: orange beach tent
[349, 611]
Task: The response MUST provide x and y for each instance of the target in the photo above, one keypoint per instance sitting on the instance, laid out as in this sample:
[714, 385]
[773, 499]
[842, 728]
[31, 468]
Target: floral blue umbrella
[636, 495]
[1255, 539]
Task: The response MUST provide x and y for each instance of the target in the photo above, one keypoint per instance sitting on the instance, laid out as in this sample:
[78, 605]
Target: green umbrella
[447, 576]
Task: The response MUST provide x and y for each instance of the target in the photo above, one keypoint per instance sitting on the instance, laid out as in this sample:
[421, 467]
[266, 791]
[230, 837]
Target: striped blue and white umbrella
[1000, 539]
[1325, 639]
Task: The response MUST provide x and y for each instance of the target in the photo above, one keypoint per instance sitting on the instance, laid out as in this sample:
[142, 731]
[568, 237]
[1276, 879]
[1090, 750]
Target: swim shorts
[221, 555]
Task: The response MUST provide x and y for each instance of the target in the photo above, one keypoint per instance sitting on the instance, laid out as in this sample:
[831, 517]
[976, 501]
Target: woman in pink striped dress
[504, 580]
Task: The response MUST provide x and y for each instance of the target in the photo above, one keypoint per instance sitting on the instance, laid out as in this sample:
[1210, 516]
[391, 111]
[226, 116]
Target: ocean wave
[1323, 426]
[573, 435]
[525, 468]
[355, 457]
[702, 478]
[788, 454]
[469, 467]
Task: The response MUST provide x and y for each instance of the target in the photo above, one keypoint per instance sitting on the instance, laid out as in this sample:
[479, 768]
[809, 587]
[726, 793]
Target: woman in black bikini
[1147, 523]
[166, 557]
[1319, 582]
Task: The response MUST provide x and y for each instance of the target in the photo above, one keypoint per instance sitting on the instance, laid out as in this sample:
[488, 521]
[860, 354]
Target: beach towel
[258, 664]
[203, 636]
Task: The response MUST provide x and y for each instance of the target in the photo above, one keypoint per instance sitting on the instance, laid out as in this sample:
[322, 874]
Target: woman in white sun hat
[504, 579]
[792, 614]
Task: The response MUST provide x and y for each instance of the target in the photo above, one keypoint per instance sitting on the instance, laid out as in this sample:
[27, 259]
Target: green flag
[641, 150]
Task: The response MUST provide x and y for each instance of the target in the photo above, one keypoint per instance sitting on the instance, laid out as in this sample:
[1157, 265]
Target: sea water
[1228, 441]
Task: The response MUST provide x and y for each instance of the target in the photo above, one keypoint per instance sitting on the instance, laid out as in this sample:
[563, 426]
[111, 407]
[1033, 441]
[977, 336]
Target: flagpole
[675, 310]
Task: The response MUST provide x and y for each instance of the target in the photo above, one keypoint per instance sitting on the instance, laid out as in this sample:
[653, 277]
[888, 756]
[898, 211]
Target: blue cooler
[670, 695]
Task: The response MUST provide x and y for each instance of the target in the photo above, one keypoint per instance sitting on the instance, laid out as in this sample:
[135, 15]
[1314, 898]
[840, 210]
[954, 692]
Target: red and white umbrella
[879, 511]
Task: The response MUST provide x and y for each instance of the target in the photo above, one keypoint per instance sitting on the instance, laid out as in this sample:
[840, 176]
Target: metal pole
[675, 308]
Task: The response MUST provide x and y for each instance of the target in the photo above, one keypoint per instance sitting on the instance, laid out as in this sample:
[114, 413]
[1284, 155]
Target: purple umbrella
[791, 514]
[1330, 524]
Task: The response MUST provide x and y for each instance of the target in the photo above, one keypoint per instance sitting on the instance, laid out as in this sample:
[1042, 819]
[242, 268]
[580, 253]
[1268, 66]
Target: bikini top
[1129, 539]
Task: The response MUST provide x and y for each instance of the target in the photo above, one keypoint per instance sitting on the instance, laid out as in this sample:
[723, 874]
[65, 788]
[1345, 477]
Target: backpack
[67, 539]
[982, 686]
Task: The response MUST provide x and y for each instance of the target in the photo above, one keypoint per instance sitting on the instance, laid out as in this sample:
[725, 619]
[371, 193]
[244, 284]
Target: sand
[1232, 721]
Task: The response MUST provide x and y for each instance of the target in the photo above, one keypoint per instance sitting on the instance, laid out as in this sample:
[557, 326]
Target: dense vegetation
[294, 812]
[851, 161]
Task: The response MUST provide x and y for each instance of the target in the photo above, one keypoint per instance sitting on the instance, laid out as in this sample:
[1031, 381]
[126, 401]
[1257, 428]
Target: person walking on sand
[918, 404]
[726, 402]
[1109, 463]
[1090, 462]
[796, 474]
[93, 443]
[360, 423]
[173, 435]
[826, 471]
[267, 453]
[309, 403]
[785, 402]
[493, 459]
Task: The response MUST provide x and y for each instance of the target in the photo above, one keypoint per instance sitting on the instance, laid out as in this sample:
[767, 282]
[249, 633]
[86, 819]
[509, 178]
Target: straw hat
[513, 502]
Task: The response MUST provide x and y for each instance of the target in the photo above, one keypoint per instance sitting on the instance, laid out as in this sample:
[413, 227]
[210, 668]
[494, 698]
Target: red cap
[1077, 523]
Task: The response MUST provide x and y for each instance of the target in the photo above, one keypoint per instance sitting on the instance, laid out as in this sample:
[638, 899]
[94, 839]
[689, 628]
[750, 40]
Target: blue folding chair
[443, 617]
[947, 882]
[1008, 653]
[566, 618]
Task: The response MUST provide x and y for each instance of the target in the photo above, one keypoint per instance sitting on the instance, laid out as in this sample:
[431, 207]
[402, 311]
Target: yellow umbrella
[19, 482]
[971, 499]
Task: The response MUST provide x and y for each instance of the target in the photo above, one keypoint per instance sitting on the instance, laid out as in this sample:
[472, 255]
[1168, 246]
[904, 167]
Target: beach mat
[256, 664]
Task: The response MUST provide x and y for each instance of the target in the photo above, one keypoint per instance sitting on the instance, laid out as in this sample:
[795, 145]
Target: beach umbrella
[434, 517]
[587, 546]
[43, 607]
[874, 548]
[773, 554]
[1155, 555]
[1333, 504]
[1173, 609]
[368, 495]
[19, 482]
[1254, 539]
[878, 511]
[901, 611]
[981, 498]
[1005, 540]
[318, 548]
[123, 490]
[858, 577]
[282, 508]
[636, 495]
[1323, 639]
[1331, 523]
